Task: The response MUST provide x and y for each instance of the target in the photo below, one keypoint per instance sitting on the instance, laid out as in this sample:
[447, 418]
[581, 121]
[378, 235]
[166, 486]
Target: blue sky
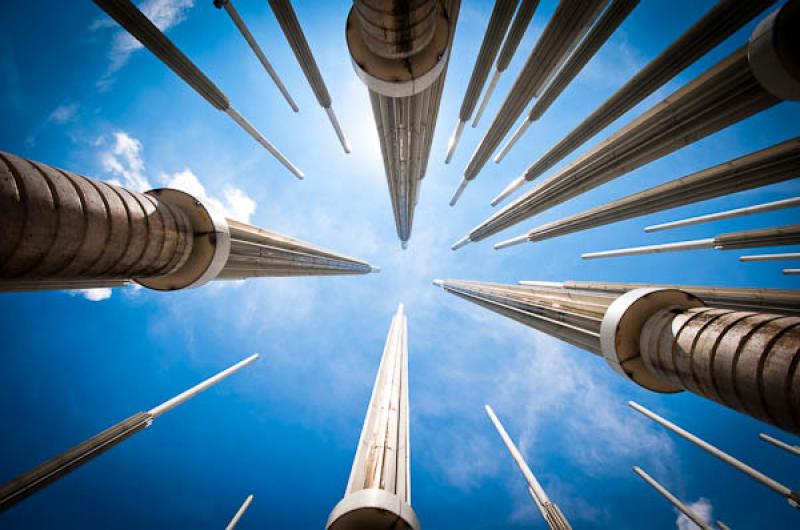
[76, 93]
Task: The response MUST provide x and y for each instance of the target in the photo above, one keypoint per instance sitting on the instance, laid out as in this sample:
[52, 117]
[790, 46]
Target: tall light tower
[400, 50]
[65, 231]
[378, 493]
[667, 340]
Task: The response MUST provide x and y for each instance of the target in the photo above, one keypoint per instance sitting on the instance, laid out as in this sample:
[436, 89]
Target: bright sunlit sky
[77, 93]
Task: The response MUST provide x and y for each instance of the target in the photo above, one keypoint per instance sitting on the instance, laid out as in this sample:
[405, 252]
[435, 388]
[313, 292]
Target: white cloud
[63, 113]
[236, 205]
[165, 14]
[124, 160]
[701, 507]
[94, 295]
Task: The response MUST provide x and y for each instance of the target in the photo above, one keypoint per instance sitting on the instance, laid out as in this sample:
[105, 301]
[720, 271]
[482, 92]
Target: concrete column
[668, 340]
[745, 361]
[62, 227]
[378, 493]
[65, 231]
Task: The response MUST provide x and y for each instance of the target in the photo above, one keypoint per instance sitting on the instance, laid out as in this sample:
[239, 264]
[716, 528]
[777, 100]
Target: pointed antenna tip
[374, 268]
[439, 283]
[461, 243]
[459, 190]
[404, 245]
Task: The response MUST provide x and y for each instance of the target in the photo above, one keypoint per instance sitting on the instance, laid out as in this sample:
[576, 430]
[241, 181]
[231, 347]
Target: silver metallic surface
[378, 493]
[245, 31]
[727, 214]
[735, 463]
[688, 512]
[549, 510]
[239, 513]
[770, 257]
[794, 449]
[258, 137]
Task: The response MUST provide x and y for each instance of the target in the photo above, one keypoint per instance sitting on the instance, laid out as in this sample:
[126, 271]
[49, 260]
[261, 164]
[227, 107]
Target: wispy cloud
[124, 161]
[701, 507]
[93, 295]
[236, 204]
[165, 14]
[63, 113]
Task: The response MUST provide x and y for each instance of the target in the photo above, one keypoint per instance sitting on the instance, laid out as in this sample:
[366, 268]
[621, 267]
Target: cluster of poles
[145, 31]
[746, 82]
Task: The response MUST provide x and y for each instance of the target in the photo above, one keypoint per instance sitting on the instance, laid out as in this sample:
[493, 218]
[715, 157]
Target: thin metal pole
[791, 271]
[794, 449]
[774, 485]
[243, 29]
[688, 512]
[252, 131]
[652, 249]
[722, 526]
[240, 513]
[537, 492]
[738, 212]
[770, 257]
[185, 396]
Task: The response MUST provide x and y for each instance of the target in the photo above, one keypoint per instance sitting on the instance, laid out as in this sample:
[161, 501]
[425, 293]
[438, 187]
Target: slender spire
[777, 163]
[129, 17]
[378, 493]
[492, 39]
[792, 497]
[43, 475]
[251, 41]
[550, 511]
[681, 506]
[794, 449]
[765, 237]
[568, 24]
[753, 78]
[521, 22]
[666, 340]
[727, 214]
[770, 257]
[402, 55]
[722, 21]
[67, 231]
[612, 18]
[239, 513]
[287, 19]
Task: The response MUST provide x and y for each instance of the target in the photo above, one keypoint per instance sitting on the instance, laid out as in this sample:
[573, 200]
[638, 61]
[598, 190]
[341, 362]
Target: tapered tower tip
[404, 245]
[459, 190]
[373, 268]
[438, 283]
[461, 243]
[511, 242]
[511, 188]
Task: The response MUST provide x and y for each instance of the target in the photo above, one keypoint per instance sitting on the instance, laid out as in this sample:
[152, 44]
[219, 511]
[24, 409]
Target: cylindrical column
[688, 512]
[61, 227]
[746, 361]
[239, 513]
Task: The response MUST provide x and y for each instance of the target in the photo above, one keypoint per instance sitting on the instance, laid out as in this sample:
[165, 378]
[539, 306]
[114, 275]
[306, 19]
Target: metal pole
[722, 526]
[185, 396]
[794, 449]
[791, 271]
[777, 487]
[243, 29]
[652, 249]
[770, 257]
[738, 212]
[240, 513]
[688, 512]
[139, 26]
[48, 472]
